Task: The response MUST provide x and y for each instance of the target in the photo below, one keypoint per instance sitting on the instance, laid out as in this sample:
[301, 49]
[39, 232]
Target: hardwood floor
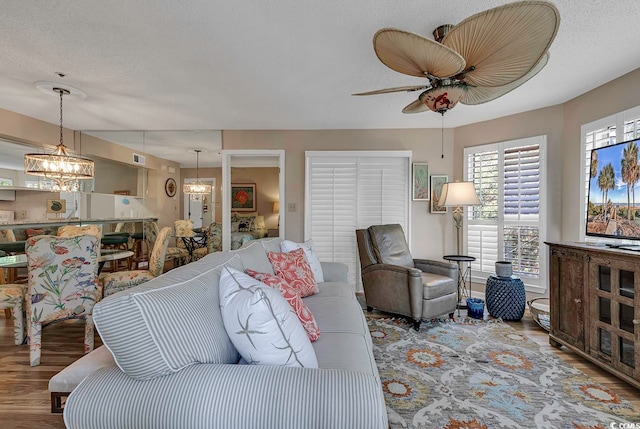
[25, 400]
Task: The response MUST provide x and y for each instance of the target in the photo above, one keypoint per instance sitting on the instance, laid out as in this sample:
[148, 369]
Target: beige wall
[265, 178]
[611, 98]
[547, 121]
[267, 189]
[20, 128]
[562, 125]
[432, 234]
[115, 177]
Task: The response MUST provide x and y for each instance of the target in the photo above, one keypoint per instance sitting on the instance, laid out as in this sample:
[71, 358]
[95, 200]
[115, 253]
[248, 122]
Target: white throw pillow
[261, 324]
[309, 252]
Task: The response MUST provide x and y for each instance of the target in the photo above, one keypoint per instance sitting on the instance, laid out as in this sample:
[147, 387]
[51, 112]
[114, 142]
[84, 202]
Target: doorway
[200, 208]
[269, 200]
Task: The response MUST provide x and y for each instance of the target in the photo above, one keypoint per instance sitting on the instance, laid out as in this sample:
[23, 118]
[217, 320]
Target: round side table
[505, 297]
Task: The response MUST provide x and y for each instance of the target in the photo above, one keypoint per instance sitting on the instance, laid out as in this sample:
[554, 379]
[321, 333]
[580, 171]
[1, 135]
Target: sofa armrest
[334, 271]
[437, 267]
[230, 397]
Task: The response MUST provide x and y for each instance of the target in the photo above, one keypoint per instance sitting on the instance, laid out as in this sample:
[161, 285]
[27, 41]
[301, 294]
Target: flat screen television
[613, 207]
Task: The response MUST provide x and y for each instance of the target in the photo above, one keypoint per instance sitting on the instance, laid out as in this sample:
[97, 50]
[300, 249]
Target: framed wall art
[170, 187]
[437, 180]
[243, 197]
[56, 206]
[420, 181]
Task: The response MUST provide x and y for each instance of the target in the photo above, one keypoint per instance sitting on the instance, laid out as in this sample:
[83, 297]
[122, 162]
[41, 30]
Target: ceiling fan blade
[503, 44]
[412, 54]
[483, 94]
[396, 89]
[415, 107]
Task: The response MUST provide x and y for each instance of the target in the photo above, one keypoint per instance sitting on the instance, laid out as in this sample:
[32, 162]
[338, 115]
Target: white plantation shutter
[522, 183]
[383, 193]
[508, 226]
[331, 185]
[346, 191]
[483, 245]
[482, 227]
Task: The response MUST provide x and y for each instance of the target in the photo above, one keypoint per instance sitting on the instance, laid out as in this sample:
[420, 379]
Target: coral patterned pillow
[293, 298]
[295, 269]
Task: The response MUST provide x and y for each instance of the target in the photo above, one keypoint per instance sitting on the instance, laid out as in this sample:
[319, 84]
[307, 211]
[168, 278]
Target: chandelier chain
[61, 93]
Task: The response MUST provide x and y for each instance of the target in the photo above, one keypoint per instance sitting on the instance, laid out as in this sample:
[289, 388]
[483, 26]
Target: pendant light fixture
[61, 167]
[197, 188]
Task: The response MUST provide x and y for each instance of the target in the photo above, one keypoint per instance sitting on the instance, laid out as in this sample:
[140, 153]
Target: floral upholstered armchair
[63, 284]
[121, 280]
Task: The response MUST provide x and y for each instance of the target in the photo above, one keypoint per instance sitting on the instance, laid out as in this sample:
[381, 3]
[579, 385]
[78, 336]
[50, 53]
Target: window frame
[617, 120]
[532, 283]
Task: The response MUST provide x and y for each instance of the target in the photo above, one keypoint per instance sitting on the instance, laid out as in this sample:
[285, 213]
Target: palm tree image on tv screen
[615, 174]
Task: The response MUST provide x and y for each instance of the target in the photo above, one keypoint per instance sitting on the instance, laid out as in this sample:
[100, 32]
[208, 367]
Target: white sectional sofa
[174, 366]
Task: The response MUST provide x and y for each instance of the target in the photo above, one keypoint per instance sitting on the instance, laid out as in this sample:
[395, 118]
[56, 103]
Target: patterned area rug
[483, 374]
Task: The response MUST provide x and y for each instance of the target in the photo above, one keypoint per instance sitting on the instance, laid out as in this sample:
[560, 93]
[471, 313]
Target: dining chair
[121, 280]
[63, 284]
[10, 246]
[176, 254]
[214, 241]
[135, 244]
[12, 301]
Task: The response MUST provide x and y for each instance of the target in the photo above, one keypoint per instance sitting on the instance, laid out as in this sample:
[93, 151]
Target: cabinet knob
[636, 322]
[577, 300]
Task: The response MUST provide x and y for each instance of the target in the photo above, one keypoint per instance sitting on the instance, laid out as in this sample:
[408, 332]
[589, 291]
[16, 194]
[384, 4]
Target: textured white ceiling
[279, 64]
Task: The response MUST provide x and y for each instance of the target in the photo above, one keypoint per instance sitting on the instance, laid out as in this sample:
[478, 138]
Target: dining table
[194, 241]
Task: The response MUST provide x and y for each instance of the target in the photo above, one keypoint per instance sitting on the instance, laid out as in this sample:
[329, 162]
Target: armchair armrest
[437, 267]
[334, 271]
[394, 288]
[231, 397]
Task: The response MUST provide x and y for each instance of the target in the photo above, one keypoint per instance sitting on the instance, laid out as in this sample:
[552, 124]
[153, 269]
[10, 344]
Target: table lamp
[459, 195]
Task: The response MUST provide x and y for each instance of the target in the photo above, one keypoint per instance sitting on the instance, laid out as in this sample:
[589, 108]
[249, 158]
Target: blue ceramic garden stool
[505, 297]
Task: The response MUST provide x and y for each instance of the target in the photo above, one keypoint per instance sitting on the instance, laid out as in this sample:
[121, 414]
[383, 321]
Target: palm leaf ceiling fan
[482, 58]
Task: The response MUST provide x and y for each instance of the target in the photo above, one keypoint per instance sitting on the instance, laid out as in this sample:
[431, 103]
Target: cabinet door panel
[567, 278]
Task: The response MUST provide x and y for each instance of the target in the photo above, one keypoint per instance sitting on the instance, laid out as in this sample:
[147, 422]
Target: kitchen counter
[40, 223]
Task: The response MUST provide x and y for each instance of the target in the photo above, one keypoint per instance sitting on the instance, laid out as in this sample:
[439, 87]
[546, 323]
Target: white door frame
[226, 188]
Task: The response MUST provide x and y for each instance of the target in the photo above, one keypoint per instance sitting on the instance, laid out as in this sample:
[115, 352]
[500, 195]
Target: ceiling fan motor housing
[442, 31]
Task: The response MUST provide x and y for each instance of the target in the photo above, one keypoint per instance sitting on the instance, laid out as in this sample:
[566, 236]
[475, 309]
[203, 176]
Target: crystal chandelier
[61, 167]
[197, 188]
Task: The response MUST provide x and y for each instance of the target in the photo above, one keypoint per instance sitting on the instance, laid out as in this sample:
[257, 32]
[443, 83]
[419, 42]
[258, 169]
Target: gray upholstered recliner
[394, 282]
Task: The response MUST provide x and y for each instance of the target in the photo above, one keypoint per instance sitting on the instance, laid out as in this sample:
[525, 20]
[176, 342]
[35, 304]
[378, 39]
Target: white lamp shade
[276, 206]
[459, 194]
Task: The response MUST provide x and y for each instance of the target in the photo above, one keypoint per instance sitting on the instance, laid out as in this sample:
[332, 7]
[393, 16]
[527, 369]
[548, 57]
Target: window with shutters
[346, 191]
[509, 178]
[603, 132]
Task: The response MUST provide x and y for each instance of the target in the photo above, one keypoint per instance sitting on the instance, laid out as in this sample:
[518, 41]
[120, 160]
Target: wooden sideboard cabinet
[593, 307]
